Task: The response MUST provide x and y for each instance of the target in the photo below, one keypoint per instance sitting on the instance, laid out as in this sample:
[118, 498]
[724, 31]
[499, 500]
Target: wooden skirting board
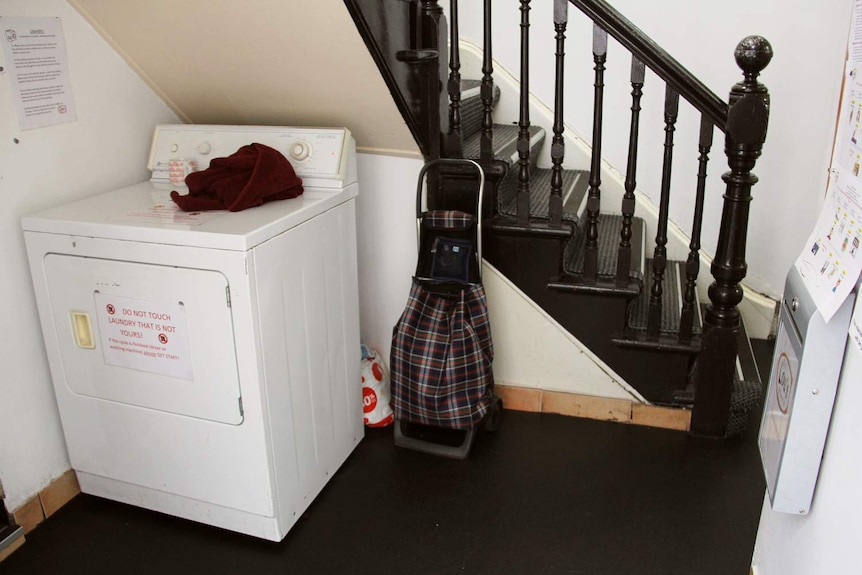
[11, 549]
[589, 407]
[47, 502]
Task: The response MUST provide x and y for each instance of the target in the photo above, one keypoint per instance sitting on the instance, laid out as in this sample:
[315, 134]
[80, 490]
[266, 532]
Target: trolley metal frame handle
[419, 210]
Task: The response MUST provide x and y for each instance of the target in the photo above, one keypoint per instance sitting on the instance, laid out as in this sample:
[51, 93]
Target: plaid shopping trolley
[440, 364]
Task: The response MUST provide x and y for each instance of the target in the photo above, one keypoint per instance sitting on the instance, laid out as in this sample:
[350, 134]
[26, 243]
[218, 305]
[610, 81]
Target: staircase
[594, 271]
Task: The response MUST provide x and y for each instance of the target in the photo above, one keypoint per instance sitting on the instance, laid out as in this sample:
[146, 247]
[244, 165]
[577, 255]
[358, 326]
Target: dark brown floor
[544, 494]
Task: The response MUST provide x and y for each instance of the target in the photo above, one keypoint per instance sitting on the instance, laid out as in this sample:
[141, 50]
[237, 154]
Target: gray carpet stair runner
[609, 241]
[672, 287]
[575, 185]
[505, 142]
[471, 107]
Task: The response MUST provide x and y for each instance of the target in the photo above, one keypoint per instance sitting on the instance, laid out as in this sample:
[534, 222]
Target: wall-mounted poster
[35, 57]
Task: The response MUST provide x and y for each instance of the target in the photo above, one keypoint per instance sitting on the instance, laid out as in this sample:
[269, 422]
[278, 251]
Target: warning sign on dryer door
[144, 335]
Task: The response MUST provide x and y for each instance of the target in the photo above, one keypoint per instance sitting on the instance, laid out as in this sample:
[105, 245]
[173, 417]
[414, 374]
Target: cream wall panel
[299, 62]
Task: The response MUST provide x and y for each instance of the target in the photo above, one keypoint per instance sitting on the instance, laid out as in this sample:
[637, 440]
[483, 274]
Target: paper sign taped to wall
[144, 335]
[35, 56]
[831, 261]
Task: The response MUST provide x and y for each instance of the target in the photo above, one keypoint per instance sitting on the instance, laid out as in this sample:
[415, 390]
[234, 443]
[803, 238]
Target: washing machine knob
[300, 150]
[204, 148]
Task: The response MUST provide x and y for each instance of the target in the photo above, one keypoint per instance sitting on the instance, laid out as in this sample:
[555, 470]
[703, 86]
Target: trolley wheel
[495, 411]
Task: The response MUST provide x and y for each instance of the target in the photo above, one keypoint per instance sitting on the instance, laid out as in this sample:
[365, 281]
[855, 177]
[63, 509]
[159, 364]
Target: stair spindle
[671, 109]
[524, 122]
[432, 36]
[624, 257]
[692, 264]
[591, 253]
[558, 146]
[486, 142]
[454, 144]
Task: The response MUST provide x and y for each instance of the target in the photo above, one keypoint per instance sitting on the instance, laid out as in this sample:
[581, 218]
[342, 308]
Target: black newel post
[747, 120]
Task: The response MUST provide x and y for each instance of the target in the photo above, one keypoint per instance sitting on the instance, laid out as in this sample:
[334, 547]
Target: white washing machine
[206, 365]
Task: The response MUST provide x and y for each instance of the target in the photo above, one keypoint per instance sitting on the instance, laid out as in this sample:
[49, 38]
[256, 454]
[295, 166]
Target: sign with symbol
[784, 380]
[144, 335]
[782, 388]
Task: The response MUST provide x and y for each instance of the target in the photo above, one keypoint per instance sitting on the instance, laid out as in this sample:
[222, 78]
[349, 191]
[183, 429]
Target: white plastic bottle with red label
[377, 411]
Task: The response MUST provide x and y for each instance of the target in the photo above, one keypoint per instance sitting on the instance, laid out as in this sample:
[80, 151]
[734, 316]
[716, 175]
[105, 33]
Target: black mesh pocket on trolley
[450, 259]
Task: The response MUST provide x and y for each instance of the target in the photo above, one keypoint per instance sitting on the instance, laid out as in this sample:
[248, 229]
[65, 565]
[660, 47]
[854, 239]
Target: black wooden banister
[425, 70]
[656, 59]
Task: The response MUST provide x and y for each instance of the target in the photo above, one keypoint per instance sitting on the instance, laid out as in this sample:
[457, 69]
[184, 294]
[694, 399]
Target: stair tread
[505, 142]
[575, 184]
[471, 106]
[608, 242]
[672, 286]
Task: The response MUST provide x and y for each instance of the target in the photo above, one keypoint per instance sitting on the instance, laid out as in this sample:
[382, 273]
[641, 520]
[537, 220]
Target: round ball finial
[753, 54]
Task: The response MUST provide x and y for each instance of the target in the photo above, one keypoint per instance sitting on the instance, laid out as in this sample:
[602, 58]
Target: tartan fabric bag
[441, 358]
[447, 220]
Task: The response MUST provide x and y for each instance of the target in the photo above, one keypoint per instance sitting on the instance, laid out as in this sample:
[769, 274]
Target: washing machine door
[158, 337]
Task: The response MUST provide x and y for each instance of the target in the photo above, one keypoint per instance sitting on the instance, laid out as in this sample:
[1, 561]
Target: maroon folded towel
[254, 174]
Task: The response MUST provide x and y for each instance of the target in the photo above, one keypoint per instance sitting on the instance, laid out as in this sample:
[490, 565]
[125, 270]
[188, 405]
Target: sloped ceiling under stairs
[270, 62]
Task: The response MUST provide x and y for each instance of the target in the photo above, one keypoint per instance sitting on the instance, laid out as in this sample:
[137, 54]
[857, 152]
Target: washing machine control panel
[318, 155]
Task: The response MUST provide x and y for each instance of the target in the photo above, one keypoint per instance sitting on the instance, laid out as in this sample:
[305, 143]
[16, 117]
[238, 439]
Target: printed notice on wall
[35, 56]
[144, 335]
[832, 259]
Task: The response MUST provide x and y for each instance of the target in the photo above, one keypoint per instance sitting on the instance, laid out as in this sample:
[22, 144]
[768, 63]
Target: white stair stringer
[532, 350]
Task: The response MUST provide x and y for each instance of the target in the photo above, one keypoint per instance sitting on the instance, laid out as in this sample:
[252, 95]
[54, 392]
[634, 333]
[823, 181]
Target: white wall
[827, 539]
[804, 80]
[107, 147]
[386, 243]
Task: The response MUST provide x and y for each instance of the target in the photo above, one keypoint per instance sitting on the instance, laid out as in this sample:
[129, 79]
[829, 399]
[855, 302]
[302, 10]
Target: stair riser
[656, 375]
[524, 260]
[460, 192]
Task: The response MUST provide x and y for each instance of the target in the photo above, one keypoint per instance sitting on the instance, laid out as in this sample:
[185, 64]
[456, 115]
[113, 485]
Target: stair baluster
[624, 257]
[591, 253]
[747, 120]
[454, 144]
[671, 109]
[558, 146]
[524, 122]
[692, 264]
[433, 35]
[486, 144]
